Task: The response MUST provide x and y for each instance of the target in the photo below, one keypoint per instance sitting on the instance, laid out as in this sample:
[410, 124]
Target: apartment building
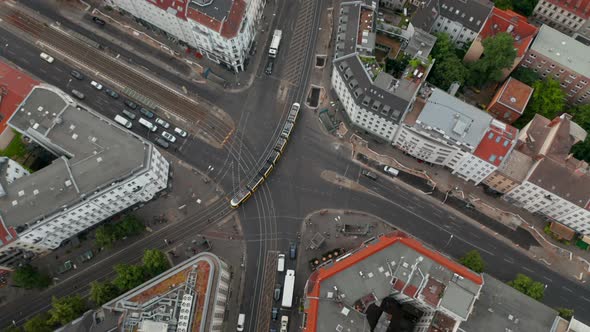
[462, 20]
[222, 30]
[569, 17]
[556, 185]
[562, 58]
[510, 100]
[373, 100]
[100, 170]
[509, 22]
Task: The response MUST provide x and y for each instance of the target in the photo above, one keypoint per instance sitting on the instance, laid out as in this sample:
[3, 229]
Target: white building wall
[426, 148]
[472, 168]
[459, 34]
[48, 234]
[359, 115]
[536, 199]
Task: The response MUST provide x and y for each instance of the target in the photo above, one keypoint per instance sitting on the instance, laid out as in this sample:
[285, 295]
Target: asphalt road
[272, 218]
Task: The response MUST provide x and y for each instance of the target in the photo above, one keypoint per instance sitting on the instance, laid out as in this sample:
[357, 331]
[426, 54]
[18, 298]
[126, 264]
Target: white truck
[281, 263]
[288, 288]
[274, 44]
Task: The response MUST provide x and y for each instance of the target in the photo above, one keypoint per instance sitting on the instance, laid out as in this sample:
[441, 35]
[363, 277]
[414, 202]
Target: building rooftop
[501, 308]
[497, 142]
[513, 23]
[178, 299]
[472, 14]
[513, 94]
[562, 49]
[453, 119]
[355, 27]
[580, 8]
[420, 44]
[533, 136]
[93, 153]
[516, 166]
[387, 97]
[223, 16]
[14, 87]
[339, 293]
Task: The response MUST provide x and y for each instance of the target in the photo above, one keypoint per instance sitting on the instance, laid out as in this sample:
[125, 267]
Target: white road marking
[585, 299]
[526, 268]
[567, 289]
[547, 278]
[509, 261]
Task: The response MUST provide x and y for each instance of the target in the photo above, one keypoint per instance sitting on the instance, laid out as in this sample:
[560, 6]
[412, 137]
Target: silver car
[169, 136]
[162, 123]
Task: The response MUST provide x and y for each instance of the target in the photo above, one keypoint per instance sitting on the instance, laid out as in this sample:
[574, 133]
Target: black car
[293, 250]
[147, 113]
[111, 93]
[130, 104]
[269, 66]
[275, 313]
[277, 293]
[162, 142]
[98, 21]
[77, 75]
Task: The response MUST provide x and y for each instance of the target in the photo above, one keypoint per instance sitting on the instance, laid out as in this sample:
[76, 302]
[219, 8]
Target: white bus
[288, 288]
[274, 44]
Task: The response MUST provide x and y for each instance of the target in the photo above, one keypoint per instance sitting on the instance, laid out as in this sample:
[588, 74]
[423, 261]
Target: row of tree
[108, 234]
[498, 54]
[64, 310]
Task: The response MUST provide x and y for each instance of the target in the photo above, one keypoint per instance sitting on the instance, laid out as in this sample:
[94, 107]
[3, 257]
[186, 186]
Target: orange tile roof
[323, 273]
[14, 87]
[522, 32]
[515, 95]
[496, 143]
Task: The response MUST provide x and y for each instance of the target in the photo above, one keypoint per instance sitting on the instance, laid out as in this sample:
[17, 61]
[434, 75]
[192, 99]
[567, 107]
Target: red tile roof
[14, 87]
[323, 273]
[579, 7]
[515, 95]
[229, 27]
[7, 234]
[522, 32]
[496, 143]
[178, 5]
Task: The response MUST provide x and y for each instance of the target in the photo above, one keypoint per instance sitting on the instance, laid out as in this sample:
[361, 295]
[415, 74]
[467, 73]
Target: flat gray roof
[93, 152]
[562, 49]
[516, 166]
[370, 280]
[501, 308]
[420, 44]
[448, 115]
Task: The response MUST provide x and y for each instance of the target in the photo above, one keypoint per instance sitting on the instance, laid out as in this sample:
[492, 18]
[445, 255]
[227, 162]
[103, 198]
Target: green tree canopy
[503, 4]
[128, 276]
[448, 68]
[28, 276]
[108, 234]
[473, 261]
[154, 262]
[525, 75]
[12, 328]
[565, 313]
[524, 7]
[443, 46]
[101, 293]
[66, 309]
[105, 236]
[548, 100]
[498, 54]
[528, 286]
[38, 323]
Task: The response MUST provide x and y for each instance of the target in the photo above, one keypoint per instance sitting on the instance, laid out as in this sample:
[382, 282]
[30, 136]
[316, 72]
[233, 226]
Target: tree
[548, 100]
[503, 4]
[528, 286]
[581, 116]
[565, 313]
[66, 309]
[397, 66]
[473, 261]
[101, 293]
[12, 328]
[443, 47]
[154, 262]
[446, 71]
[525, 75]
[129, 226]
[105, 236]
[128, 276]
[524, 7]
[39, 323]
[498, 54]
[28, 277]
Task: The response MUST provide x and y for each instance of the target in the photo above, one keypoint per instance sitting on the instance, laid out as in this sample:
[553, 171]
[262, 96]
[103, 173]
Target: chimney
[582, 169]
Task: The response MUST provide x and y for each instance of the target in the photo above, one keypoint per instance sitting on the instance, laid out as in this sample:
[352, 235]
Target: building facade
[569, 17]
[222, 30]
[100, 170]
[562, 58]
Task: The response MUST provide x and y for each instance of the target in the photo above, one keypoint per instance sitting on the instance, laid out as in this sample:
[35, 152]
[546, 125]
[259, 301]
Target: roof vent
[563, 42]
[35, 192]
[68, 183]
[202, 3]
[512, 99]
[74, 136]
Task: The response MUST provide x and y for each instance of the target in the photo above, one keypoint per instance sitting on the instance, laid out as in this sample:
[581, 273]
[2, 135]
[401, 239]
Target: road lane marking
[475, 235]
[548, 279]
[567, 289]
[585, 299]
[509, 261]
[526, 268]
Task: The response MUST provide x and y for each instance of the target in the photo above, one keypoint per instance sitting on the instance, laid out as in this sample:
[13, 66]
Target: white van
[122, 121]
[390, 170]
[241, 321]
[281, 263]
[148, 124]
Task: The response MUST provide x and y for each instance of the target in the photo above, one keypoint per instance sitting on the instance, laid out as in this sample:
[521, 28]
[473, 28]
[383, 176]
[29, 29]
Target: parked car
[98, 20]
[293, 250]
[269, 66]
[168, 136]
[275, 313]
[130, 104]
[147, 113]
[77, 75]
[180, 132]
[111, 93]
[46, 57]
[67, 265]
[96, 85]
[78, 94]
[369, 174]
[162, 142]
[390, 170]
[85, 256]
[241, 322]
[277, 293]
[162, 123]
[284, 323]
[129, 114]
